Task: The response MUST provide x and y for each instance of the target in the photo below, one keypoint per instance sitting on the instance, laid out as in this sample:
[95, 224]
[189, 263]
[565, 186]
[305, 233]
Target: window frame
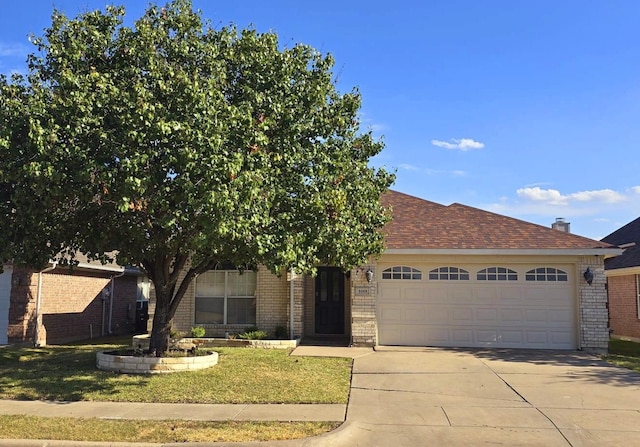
[444, 273]
[413, 273]
[510, 275]
[536, 275]
[227, 296]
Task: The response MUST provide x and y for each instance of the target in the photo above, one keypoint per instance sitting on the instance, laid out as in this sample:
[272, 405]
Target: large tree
[181, 147]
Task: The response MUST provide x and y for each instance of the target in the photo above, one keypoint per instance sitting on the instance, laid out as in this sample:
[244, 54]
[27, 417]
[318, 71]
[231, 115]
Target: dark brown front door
[329, 301]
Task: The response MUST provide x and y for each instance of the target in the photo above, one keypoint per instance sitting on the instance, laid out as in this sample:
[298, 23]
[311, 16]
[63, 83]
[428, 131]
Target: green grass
[243, 375]
[624, 353]
[77, 429]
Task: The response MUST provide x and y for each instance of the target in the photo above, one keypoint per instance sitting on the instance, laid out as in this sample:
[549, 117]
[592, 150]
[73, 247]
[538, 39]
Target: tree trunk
[162, 318]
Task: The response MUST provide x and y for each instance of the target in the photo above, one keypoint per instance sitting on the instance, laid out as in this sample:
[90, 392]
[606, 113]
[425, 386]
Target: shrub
[253, 335]
[281, 332]
[175, 334]
[197, 332]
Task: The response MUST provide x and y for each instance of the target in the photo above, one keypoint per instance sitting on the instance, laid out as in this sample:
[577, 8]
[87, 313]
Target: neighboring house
[450, 276]
[58, 305]
[623, 281]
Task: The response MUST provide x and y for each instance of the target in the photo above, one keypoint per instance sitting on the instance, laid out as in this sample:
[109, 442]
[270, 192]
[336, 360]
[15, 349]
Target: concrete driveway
[440, 397]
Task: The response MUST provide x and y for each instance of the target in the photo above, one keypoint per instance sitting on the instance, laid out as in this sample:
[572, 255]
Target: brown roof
[420, 224]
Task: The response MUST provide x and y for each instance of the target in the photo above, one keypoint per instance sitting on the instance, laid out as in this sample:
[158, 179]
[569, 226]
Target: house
[623, 282]
[450, 276]
[58, 304]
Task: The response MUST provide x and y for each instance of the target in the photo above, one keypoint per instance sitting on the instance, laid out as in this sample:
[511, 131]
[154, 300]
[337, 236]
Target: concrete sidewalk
[194, 412]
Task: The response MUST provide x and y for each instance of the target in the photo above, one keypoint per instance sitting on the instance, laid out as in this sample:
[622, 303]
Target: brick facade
[363, 307]
[593, 312]
[71, 306]
[623, 306]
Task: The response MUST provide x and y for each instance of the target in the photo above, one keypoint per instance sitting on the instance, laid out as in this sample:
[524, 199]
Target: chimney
[561, 225]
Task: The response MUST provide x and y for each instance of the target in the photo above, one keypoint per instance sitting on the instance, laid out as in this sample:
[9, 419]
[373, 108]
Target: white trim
[607, 252]
[623, 271]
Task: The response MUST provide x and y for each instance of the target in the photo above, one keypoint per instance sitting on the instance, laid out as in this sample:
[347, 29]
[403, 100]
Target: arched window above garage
[449, 274]
[497, 274]
[401, 272]
[547, 274]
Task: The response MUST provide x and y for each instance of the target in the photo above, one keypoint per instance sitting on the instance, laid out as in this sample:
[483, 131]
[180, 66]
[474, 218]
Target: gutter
[36, 335]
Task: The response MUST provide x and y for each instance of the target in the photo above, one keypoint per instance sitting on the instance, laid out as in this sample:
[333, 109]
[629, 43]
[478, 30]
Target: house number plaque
[363, 291]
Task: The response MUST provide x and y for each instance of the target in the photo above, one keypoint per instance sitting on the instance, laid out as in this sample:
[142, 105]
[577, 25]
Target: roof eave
[607, 252]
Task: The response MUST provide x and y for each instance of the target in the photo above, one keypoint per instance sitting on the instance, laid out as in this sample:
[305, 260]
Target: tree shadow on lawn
[59, 373]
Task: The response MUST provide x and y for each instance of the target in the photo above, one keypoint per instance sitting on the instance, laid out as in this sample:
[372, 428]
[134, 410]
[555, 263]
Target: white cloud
[408, 167]
[463, 144]
[636, 189]
[554, 197]
[15, 49]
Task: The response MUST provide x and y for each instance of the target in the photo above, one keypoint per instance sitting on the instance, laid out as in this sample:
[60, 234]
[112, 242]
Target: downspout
[36, 343]
[291, 300]
[111, 299]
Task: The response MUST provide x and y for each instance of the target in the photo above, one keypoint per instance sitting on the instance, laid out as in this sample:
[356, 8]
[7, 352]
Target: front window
[226, 297]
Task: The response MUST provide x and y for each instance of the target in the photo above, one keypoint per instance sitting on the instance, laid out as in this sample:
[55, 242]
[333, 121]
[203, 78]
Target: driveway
[440, 397]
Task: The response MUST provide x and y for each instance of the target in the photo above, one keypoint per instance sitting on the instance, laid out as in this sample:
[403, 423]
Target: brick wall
[593, 324]
[363, 308]
[71, 306]
[623, 306]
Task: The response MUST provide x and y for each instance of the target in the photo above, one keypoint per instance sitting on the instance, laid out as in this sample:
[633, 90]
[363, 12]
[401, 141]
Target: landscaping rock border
[153, 365]
[142, 342]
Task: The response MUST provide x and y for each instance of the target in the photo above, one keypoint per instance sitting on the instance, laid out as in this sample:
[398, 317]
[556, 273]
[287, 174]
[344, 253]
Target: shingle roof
[625, 235]
[421, 224]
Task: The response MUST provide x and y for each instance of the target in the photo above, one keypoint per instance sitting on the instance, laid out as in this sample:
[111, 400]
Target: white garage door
[5, 292]
[531, 306]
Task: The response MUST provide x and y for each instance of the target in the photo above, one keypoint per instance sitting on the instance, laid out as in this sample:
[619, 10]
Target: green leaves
[170, 139]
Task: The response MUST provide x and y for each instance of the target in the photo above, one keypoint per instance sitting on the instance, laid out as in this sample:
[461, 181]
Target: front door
[329, 301]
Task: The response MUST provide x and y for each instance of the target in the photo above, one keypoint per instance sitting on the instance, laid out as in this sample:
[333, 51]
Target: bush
[197, 332]
[281, 333]
[253, 334]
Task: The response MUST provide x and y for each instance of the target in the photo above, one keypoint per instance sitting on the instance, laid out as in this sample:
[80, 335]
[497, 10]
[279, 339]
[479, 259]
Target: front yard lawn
[624, 353]
[243, 375]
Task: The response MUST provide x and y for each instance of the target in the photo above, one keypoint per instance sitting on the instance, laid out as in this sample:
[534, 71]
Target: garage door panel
[414, 314]
[516, 314]
[514, 337]
[390, 314]
[439, 334]
[486, 336]
[511, 315]
[484, 315]
[464, 315]
[459, 336]
[413, 294]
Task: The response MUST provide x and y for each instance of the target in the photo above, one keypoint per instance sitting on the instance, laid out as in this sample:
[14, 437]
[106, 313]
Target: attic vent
[561, 225]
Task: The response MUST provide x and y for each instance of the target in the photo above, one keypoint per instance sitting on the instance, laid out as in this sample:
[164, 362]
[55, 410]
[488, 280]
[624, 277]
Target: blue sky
[526, 108]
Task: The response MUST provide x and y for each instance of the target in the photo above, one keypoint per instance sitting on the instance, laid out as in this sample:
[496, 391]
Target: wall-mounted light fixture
[369, 274]
[588, 276]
